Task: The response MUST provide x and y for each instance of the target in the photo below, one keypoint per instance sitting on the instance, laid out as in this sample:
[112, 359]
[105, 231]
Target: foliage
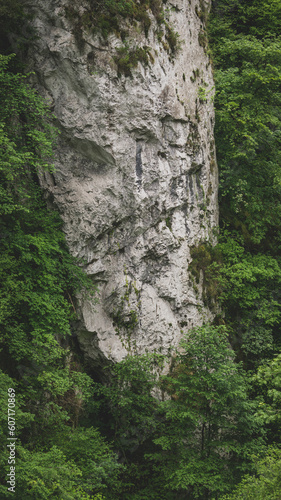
[206, 263]
[129, 397]
[127, 58]
[38, 278]
[38, 275]
[53, 474]
[11, 16]
[267, 382]
[207, 417]
[86, 448]
[247, 55]
[189, 431]
[248, 287]
[265, 484]
[246, 47]
[247, 100]
[46, 475]
[119, 16]
[127, 413]
[106, 17]
[72, 462]
[197, 430]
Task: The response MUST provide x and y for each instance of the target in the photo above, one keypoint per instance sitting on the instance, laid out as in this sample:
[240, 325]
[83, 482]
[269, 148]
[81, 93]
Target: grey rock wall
[135, 179]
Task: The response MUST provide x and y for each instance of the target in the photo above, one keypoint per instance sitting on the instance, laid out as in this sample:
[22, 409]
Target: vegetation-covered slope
[38, 279]
[216, 416]
[246, 44]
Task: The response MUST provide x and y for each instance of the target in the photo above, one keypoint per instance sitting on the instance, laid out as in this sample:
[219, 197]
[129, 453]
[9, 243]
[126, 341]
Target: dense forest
[209, 428]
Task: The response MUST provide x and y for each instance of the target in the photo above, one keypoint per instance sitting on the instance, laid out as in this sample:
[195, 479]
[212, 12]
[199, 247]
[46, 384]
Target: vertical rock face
[135, 179]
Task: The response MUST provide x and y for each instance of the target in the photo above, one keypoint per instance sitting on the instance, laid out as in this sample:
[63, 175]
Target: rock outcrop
[135, 174]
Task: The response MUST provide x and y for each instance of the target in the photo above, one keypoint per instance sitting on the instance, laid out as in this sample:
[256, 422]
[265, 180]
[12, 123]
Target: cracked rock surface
[135, 174]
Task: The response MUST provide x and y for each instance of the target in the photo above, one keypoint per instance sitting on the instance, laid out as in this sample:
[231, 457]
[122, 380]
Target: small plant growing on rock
[127, 58]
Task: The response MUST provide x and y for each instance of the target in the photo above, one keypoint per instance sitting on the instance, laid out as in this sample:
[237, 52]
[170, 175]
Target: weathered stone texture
[135, 178]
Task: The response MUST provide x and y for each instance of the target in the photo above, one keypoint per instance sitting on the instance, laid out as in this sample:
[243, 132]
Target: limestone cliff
[135, 179]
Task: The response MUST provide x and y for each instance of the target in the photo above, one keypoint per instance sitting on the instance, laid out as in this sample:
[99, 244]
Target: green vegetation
[209, 428]
[119, 17]
[196, 434]
[246, 45]
[125, 319]
[127, 58]
[265, 484]
[38, 280]
[209, 416]
[242, 273]
[108, 16]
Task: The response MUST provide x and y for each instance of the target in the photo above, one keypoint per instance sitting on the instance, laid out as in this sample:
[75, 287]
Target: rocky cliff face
[135, 178]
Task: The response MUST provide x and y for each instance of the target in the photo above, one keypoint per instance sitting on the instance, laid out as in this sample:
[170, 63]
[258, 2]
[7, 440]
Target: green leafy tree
[38, 278]
[128, 395]
[98, 464]
[46, 475]
[265, 483]
[37, 273]
[209, 425]
[248, 143]
[250, 295]
[188, 432]
[246, 48]
[267, 384]
[129, 414]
